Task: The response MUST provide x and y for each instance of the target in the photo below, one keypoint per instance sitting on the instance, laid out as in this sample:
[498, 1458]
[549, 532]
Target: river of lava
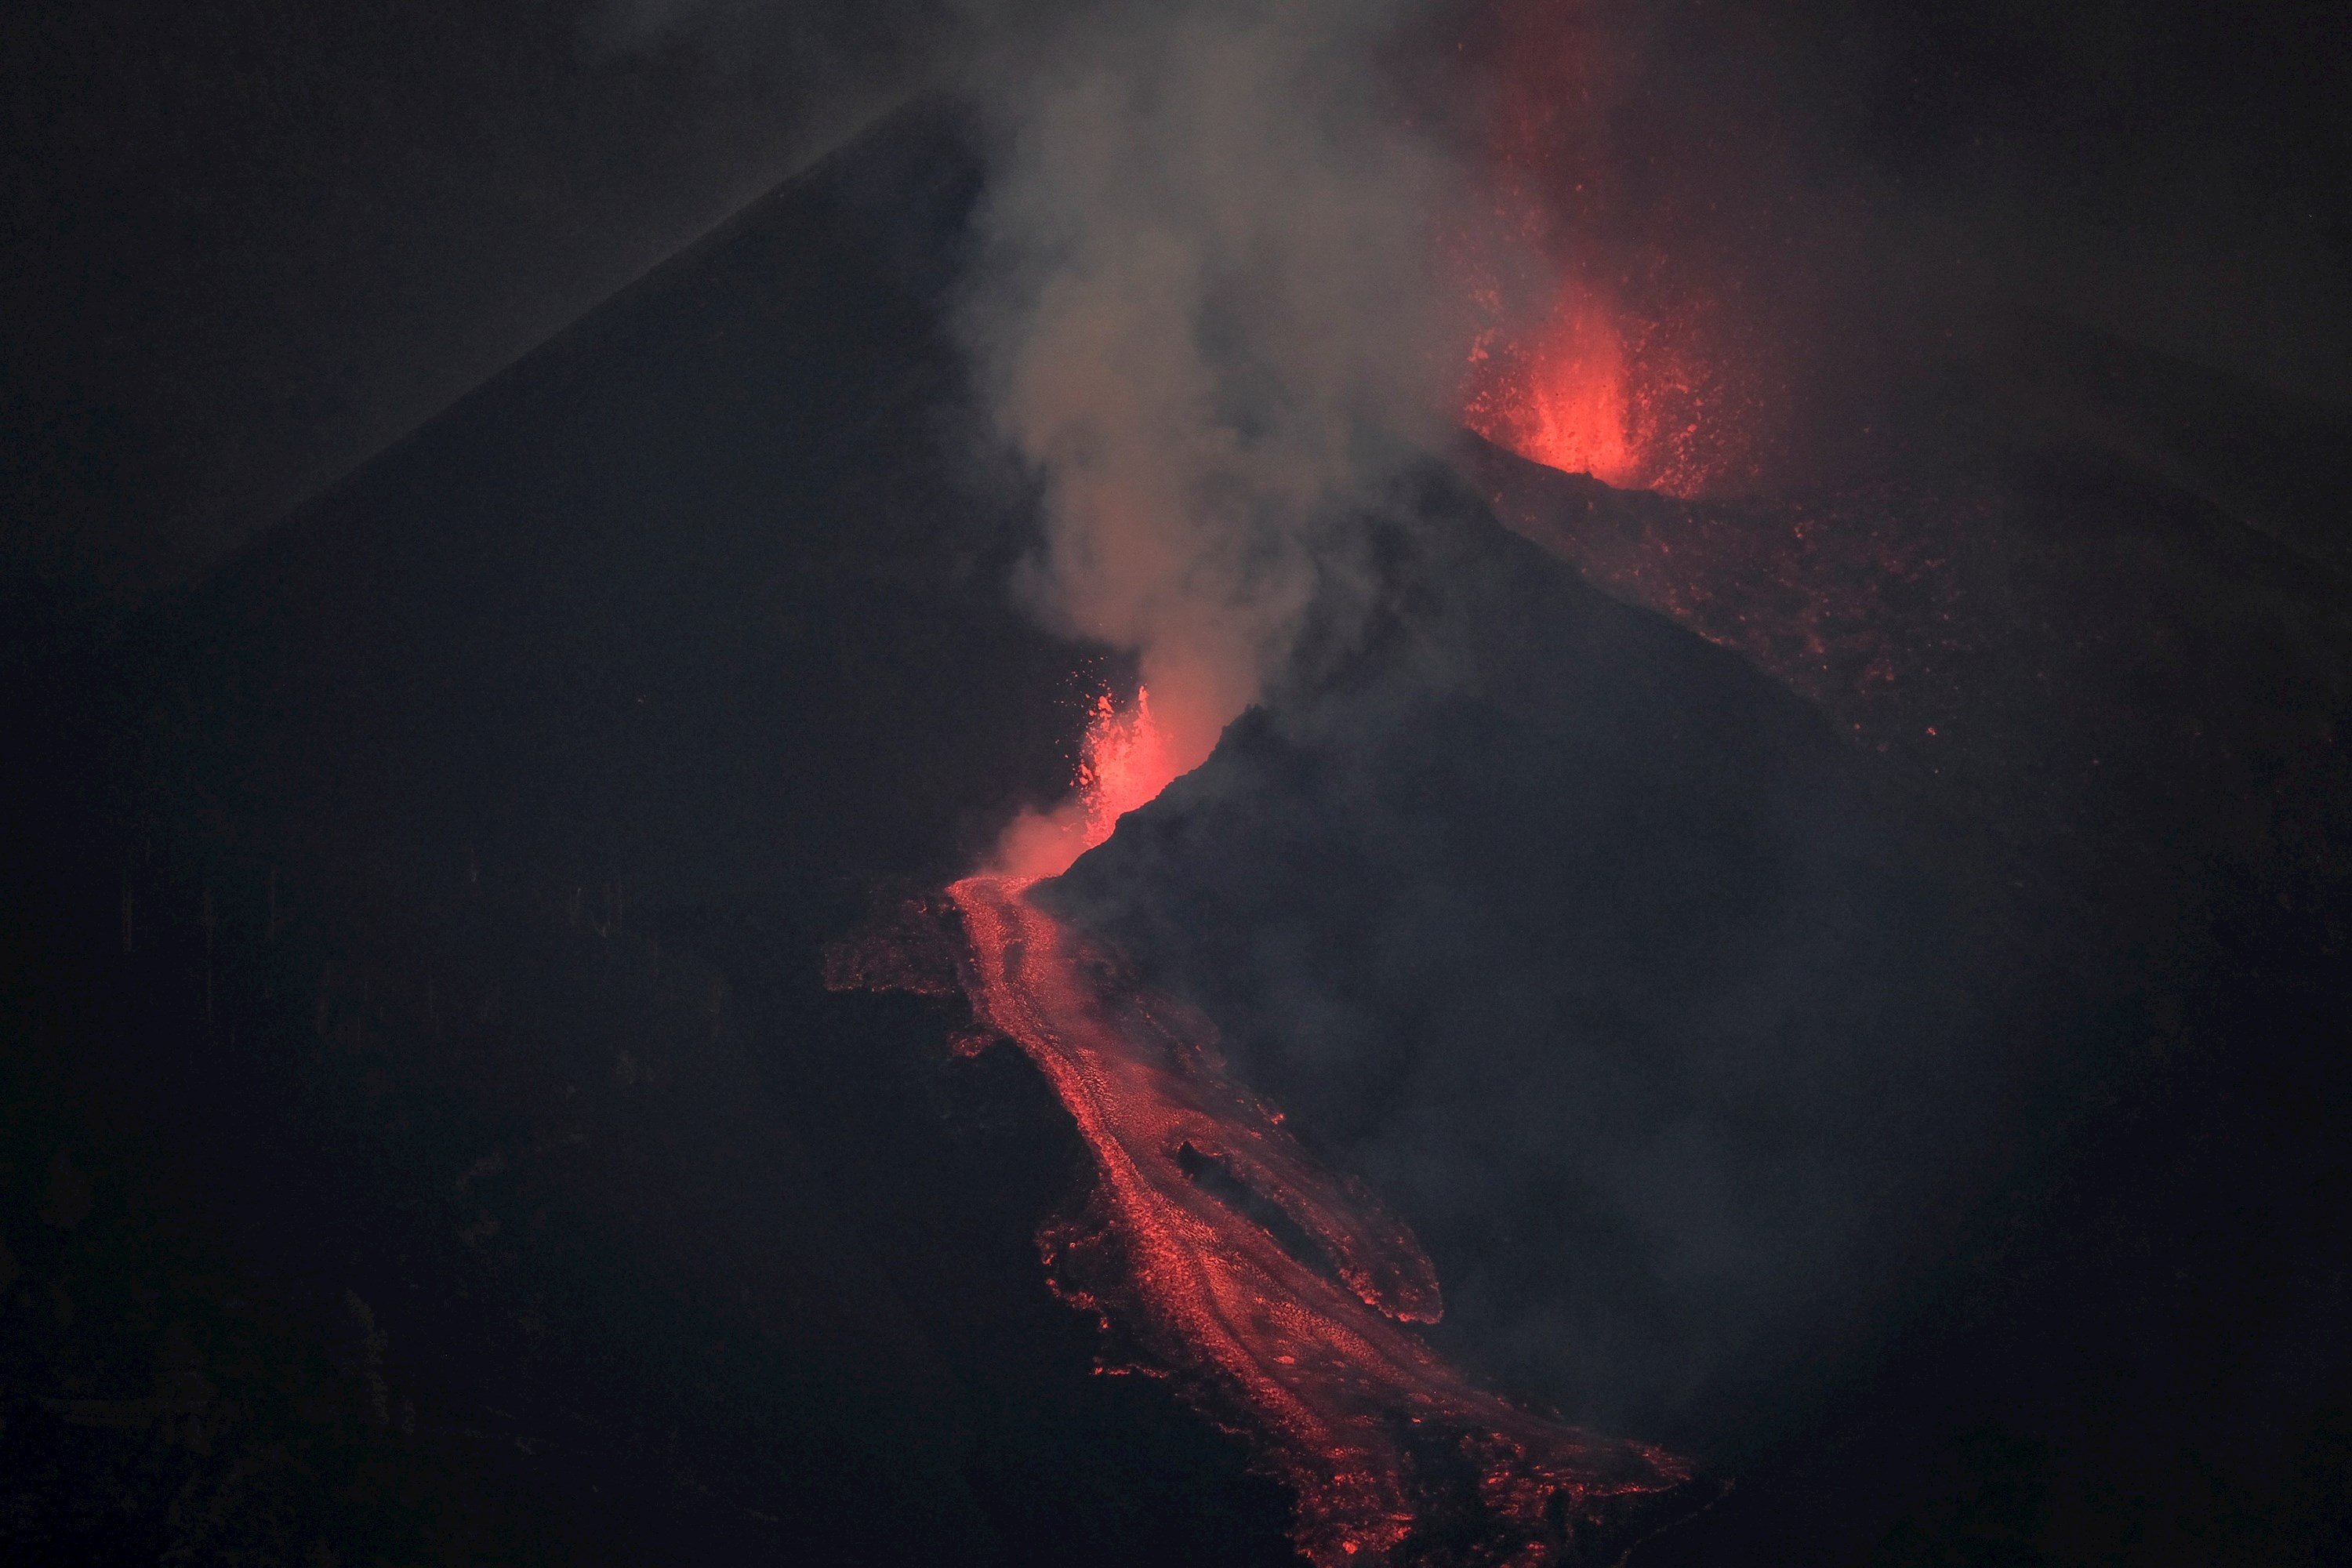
[1274, 1291]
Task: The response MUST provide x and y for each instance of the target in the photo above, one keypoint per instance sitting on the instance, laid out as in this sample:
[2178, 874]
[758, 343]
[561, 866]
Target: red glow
[1573, 394]
[1557, 397]
[1125, 764]
[1352, 1412]
[1620, 367]
[1125, 759]
[1297, 1346]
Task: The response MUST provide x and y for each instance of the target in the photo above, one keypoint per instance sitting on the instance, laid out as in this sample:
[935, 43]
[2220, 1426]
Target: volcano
[1841, 994]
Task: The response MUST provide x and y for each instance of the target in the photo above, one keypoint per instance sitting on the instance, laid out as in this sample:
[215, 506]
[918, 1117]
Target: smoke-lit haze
[1208, 266]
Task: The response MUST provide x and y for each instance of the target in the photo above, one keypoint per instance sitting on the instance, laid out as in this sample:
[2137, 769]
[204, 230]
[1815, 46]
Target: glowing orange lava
[1125, 764]
[1301, 1351]
[1557, 397]
[1274, 1289]
[1125, 760]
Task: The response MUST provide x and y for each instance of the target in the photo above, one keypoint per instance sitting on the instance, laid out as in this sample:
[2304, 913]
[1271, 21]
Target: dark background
[426, 1137]
[247, 249]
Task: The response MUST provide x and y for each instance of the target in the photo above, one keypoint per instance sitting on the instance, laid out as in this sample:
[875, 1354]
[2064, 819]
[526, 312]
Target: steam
[1208, 266]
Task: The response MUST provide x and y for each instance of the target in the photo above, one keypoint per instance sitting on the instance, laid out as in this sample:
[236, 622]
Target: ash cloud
[1207, 269]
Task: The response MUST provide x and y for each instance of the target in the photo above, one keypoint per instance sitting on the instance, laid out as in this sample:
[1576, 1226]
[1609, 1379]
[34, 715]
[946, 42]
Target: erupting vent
[1617, 362]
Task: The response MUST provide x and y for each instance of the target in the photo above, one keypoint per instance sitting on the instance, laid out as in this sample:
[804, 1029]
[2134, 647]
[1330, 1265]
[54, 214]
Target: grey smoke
[1208, 264]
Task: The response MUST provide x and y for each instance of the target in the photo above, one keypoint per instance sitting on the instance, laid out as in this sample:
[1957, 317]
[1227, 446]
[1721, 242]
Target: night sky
[249, 248]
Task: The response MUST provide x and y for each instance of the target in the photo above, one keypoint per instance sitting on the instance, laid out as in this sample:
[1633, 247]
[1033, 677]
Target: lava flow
[1273, 1290]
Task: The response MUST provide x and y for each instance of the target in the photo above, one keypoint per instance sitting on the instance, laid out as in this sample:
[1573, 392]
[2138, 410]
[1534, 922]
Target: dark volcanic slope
[1961, 1098]
[428, 1139]
[434, 1009]
[605, 614]
[1597, 952]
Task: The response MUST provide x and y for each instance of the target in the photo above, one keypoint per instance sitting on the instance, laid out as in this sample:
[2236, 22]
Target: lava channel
[1274, 1291]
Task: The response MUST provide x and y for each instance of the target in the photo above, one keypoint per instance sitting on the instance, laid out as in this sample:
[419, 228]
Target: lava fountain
[1277, 1292]
[1613, 357]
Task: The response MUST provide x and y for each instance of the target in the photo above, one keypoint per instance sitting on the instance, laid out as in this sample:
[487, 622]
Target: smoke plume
[1209, 252]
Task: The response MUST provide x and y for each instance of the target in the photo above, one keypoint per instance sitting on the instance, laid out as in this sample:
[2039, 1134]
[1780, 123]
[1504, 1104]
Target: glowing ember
[1874, 602]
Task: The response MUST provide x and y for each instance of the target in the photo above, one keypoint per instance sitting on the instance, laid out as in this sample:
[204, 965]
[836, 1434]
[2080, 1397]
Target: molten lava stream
[1350, 1410]
[1295, 1346]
